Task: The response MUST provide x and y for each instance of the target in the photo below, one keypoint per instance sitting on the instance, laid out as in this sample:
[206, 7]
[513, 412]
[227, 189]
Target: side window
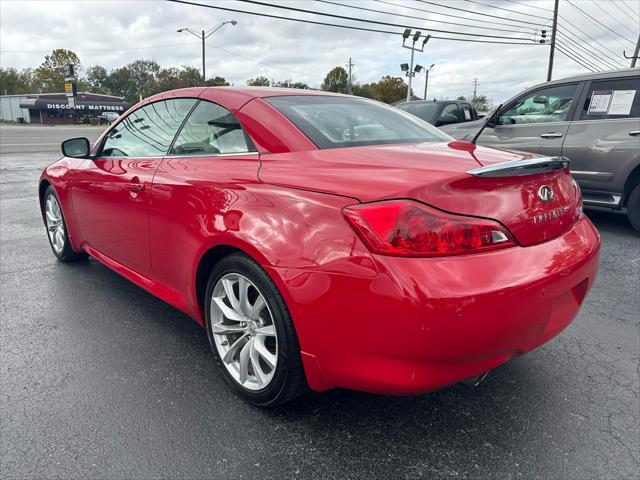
[211, 129]
[550, 104]
[615, 98]
[147, 131]
[450, 109]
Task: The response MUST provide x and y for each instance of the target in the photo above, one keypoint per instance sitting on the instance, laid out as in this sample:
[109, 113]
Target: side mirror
[76, 148]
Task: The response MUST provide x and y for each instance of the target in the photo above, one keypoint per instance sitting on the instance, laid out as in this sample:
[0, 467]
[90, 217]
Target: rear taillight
[412, 229]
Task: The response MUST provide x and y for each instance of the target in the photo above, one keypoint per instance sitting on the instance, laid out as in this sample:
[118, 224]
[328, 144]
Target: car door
[196, 192]
[535, 122]
[603, 142]
[112, 192]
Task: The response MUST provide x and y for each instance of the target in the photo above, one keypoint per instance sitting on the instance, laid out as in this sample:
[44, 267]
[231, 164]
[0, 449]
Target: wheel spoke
[268, 331]
[261, 349]
[228, 290]
[50, 216]
[257, 307]
[222, 329]
[243, 359]
[227, 311]
[60, 238]
[243, 289]
[233, 349]
[261, 376]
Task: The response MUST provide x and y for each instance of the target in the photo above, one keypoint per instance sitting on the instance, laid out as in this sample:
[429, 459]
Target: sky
[113, 33]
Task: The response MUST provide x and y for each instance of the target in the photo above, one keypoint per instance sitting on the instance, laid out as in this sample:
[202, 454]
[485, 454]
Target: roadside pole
[553, 39]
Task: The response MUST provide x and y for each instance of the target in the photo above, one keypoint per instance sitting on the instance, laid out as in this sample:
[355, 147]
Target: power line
[596, 52]
[598, 22]
[104, 49]
[507, 10]
[627, 8]
[577, 54]
[612, 18]
[604, 60]
[474, 13]
[604, 47]
[415, 17]
[257, 61]
[450, 15]
[348, 27]
[568, 55]
[530, 6]
[362, 20]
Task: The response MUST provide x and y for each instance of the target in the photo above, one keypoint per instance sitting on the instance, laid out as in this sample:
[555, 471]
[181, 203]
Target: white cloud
[112, 33]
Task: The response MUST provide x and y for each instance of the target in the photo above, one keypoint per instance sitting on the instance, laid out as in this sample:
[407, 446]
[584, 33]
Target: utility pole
[203, 36]
[475, 88]
[636, 53]
[409, 72]
[553, 38]
[350, 64]
[426, 80]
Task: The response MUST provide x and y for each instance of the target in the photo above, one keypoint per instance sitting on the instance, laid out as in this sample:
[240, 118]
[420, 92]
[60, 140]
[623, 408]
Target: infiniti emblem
[545, 193]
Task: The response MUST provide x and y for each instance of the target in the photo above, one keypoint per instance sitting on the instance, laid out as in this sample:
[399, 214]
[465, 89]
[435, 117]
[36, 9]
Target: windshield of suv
[425, 111]
[333, 122]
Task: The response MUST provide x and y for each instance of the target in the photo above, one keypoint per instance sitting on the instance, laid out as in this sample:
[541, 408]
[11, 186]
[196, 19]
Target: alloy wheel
[243, 331]
[55, 224]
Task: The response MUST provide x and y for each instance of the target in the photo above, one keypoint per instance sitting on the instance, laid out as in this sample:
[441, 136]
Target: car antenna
[488, 121]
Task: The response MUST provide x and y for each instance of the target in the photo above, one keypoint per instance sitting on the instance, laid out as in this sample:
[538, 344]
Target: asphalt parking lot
[98, 379]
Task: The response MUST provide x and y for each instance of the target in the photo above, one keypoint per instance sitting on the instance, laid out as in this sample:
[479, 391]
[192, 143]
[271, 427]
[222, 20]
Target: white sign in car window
[599, 102]
[621, 102]
[467, 114]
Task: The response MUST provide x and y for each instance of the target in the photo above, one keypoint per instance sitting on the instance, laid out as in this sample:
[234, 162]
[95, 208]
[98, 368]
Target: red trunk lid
[436, 174]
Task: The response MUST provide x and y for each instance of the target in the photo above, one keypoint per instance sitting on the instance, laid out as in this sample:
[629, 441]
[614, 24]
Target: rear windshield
[425, 111]
[333, 122]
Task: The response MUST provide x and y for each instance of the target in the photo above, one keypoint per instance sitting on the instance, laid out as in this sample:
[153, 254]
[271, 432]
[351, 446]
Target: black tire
[67, 254]
[288, 380]
[633, 208]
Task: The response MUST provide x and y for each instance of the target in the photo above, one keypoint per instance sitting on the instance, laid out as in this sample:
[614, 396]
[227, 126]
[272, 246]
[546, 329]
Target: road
[98, 379]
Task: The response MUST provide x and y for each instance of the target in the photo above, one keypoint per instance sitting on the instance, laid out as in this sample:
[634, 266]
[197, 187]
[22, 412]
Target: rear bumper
[422, 324]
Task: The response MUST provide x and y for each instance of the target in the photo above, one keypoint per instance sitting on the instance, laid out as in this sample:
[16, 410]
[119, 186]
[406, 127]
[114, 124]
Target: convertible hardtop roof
[234, 97]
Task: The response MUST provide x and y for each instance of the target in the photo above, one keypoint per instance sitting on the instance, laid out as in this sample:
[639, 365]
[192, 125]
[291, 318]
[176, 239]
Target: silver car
[593, 119]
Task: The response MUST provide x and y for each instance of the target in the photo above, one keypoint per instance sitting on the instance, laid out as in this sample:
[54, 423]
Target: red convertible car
[326, 240]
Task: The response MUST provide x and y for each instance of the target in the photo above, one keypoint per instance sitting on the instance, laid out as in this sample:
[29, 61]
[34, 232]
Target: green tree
[217, 82]
[291, 84]
[366, 90]
[389, 89]
[9, 81]
[97, 79]
[337, 80]
[481, 102]
[135, 80]
[258, 81]
[50, 74]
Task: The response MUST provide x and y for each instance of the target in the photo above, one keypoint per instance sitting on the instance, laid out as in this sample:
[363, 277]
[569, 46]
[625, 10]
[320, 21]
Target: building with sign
[55, 108]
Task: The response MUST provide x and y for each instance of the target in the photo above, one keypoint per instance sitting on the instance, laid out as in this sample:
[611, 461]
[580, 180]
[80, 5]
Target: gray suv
[593, 119]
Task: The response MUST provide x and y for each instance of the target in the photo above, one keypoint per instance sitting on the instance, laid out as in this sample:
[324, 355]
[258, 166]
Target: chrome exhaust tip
[477, 380]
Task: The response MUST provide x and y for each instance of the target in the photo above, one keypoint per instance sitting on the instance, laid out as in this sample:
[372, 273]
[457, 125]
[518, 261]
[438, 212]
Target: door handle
[551, 135]
[135, 185]
[634, 133]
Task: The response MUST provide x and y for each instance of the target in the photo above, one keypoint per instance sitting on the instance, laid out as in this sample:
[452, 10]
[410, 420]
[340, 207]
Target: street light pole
[410, 73]
[202, 35]
[426, 80]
